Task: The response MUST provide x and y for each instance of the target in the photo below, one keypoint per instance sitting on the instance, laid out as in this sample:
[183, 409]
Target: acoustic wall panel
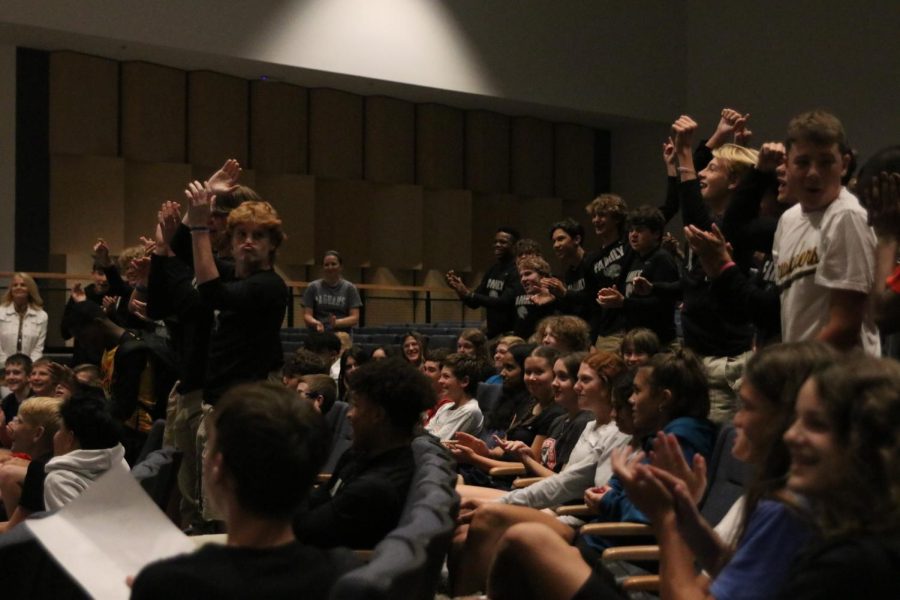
[440, 144]
[574, 162]
[217, 118]
[84, 105]
[395, 226]
[390, 140]
[390, 306]
[279, 127]
[536, 215]
[294, 197]
[86, 202]
[204, 172]
[490, 211]
[487, 152]
[153, 113]
[147, 185]
[343, 212]
[447, 223]
[531, 157]
[335, 134]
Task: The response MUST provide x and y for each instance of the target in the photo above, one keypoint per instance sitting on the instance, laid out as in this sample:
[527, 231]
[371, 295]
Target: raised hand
[554, 285]
[224, 181]
[78, 294]
[771, 154]
[642, 286]
[455, 282]
[683, 128]
[671, 244]
[168, 218]
[729, 121]
[149, 245]
[141, 268]
[669, 157]
[101, 253]
[109, 304]
[199, 198]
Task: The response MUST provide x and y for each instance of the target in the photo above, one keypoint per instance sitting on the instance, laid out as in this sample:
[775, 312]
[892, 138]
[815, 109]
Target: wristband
[200, 228]
[726, 266]
[21, 455]
[893, 281]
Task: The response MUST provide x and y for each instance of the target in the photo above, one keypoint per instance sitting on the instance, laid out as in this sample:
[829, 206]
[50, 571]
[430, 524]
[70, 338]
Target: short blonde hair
[535, 263]
[42, 412]
[129, 254]
[34, 296]
[738, 159]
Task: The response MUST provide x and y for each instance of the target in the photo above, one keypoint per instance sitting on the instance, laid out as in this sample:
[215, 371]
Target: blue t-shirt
[759, 567]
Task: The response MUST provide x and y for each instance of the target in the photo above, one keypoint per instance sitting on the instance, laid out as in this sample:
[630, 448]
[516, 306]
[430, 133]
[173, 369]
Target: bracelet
[199, 228]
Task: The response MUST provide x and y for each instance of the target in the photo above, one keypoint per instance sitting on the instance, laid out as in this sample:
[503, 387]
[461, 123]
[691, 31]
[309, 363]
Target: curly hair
[572, 333]
[257, 213]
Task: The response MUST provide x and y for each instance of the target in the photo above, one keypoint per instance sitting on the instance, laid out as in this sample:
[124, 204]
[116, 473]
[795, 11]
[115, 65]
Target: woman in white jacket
[23, 323]
[85, 447]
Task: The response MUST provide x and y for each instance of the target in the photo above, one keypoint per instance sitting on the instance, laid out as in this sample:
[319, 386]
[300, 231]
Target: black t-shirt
[527, 314]
[245, 345]
[215, 571]
[561, 440]
[525, 430]
[604, 269]
[655, 312]
[495, 293]
[577, 301]
[32, 498]
[361, 503]
[10, 406]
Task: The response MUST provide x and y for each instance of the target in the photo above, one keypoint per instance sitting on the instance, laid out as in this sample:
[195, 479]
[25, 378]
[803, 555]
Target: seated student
[566, 333]
[85, 447]
[17, 371]
[414, 346]
[530, 425]
[501, 349]
[364, 498]
[844, 459]
[303, 362]
[328, 346]
[459, 382]
[432, 366]
[638, 346]
[654, 264]
[259, 434]
[22, 479]
[771, 529]
[320, 390]
[351, 360]
[482, 523]
[474, 343]
[43, 378]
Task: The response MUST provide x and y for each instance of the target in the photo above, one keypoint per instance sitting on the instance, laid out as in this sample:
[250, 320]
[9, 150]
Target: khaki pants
[208, 513]
[185, 424]
[723, 373]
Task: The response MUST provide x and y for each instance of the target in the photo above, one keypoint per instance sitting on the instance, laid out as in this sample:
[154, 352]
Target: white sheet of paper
[108, 533]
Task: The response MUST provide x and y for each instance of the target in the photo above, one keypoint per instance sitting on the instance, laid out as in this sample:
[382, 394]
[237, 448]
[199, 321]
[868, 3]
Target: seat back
[407, 563]
[487, 395]
[727, 477]
[341, 434]
[158, 473]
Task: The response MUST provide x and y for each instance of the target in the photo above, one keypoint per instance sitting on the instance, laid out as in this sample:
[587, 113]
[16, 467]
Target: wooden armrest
[632, 553]
[363, 555]
[641, 583]
[323, 477]
[615, 529]
[512, 469]
[523, 482]
[574, 510]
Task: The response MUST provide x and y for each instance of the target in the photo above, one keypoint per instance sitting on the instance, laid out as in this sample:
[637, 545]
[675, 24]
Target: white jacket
[34, 331]
[70, 474]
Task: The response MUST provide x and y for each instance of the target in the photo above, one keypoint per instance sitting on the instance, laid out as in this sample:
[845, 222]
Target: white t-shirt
[449, 419]
[815, 252]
